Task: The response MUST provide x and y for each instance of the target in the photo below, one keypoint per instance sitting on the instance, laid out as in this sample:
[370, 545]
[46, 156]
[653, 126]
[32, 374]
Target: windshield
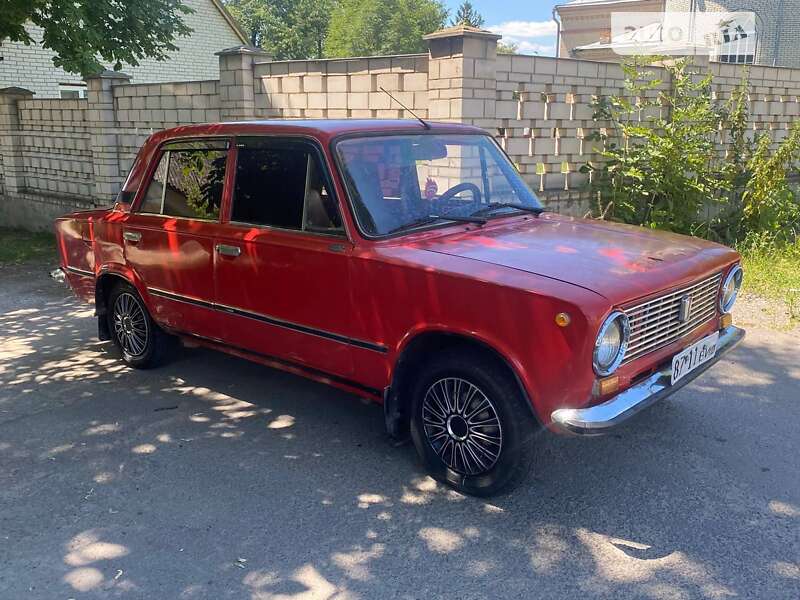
[398, 182]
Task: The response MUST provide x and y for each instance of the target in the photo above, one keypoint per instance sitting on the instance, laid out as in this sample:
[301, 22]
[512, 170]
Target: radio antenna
[425, 124]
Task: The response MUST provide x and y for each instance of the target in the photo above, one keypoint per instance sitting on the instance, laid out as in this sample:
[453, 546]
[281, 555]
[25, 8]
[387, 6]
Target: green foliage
[17, 246]
[660, 166]
[769, 204]
[85, 34]
[380, 27]
[657, 169]
[773, 271]
[467, 15]
[507, 48]
[288, 29]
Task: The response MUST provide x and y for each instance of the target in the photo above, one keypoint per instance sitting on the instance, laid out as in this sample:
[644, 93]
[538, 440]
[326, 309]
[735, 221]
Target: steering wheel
[461, 187]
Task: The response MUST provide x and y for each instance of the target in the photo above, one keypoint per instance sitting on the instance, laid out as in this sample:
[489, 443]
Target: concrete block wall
[342, 88]
[774, 94]
[55, 148]
[544, 117]
[164, 105]
[56, 155]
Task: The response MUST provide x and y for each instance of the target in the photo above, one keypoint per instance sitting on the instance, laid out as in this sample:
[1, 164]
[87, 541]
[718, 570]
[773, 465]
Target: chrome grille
[656, 323]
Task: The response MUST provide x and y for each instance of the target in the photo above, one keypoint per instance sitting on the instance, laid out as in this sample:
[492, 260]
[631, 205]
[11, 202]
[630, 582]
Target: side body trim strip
[80, 272]
[271, 321]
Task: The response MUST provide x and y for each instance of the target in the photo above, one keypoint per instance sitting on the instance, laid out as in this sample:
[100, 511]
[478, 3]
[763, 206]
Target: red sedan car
[407, 262]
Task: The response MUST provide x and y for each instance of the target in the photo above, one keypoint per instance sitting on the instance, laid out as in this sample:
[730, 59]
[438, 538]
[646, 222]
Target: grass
[17, 246]
[774, 274]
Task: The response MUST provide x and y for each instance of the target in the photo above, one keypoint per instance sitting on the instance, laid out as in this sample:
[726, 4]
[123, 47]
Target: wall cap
[109, 74]
[243, 49]
[462, 31]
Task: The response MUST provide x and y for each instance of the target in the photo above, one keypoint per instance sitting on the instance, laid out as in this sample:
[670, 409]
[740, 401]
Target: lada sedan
[409, 263]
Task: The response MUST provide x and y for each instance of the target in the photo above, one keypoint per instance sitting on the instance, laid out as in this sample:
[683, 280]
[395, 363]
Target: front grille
[656, 323]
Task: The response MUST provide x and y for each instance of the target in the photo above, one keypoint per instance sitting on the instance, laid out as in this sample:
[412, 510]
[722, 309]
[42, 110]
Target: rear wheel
[140, 341]
[470, 425]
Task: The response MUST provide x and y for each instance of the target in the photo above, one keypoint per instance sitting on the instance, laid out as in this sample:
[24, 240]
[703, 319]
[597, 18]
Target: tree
[380, 27]
[509, 48]
[84, 34]
[467, 15]
[289, 29]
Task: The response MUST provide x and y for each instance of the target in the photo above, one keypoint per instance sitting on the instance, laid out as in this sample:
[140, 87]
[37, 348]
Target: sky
[528, 23]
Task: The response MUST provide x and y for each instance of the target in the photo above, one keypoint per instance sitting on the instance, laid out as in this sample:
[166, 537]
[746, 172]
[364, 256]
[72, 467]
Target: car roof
[321, 128]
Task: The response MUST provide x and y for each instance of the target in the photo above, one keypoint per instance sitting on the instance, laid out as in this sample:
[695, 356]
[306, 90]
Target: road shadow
[213, 477]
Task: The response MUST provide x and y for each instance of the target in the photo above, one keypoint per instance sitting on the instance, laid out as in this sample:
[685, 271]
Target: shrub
[663, 170]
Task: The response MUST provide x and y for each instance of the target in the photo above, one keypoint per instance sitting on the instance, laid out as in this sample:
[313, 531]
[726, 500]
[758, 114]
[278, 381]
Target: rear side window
[188, 182]
[280, 183]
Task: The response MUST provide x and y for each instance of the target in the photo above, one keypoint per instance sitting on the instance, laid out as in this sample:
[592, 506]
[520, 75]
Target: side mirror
[122, 207]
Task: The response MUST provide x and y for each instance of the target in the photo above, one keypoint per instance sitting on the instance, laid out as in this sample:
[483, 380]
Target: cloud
[525, 29]
[531, 48]
[531, 37]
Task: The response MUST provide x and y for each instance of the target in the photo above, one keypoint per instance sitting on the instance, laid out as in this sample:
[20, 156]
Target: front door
[282, 267]
[169, 237]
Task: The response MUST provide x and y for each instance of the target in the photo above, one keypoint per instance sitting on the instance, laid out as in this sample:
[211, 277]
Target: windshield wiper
[492, 206]
[433, 218]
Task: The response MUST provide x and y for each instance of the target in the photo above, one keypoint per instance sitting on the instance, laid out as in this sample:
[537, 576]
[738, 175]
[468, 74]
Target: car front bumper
[596, 420]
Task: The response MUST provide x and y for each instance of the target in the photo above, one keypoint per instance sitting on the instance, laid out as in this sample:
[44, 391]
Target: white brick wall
[31, 67]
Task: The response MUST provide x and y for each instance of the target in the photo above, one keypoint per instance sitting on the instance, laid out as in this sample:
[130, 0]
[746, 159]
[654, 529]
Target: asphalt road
[216, 478]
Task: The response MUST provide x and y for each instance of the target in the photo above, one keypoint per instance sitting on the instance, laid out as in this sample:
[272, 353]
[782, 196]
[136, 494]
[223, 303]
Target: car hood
[619, 262]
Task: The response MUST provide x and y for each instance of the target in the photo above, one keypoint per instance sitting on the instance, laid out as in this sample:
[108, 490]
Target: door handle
[132, 236]
[226, 250]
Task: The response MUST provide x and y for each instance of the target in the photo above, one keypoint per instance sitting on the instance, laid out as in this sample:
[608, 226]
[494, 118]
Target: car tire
[141, 342]
[480, 440]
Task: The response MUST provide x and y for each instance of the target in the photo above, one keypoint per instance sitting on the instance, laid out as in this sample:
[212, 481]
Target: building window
[71, 91]
[737, 44]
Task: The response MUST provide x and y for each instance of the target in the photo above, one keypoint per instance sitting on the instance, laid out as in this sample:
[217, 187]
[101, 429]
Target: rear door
[169, 237]
[282, 269]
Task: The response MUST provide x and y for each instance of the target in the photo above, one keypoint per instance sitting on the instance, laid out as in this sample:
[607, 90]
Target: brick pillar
[236, 82]
[108, 175]
[12, 166]
[462, 84]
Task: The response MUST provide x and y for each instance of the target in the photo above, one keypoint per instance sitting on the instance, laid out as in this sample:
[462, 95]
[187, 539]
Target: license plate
[695, 355]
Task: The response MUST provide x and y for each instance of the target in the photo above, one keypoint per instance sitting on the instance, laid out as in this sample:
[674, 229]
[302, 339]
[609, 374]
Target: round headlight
[612, 340]
[730, 289]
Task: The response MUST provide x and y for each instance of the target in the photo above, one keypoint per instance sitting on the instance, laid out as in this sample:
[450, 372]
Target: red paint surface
[501, 284]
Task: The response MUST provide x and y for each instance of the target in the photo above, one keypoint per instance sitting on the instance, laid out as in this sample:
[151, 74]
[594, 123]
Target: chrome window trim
[626, 333]
[338, 236]
[731, 274]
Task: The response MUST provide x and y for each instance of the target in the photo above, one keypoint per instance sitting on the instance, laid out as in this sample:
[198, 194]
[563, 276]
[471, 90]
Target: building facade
[585, 29]
[31, 67]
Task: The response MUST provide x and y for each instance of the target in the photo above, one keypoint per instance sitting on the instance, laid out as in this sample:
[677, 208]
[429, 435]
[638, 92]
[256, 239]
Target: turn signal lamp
[726, 321]
[562, 319]
[607, 385]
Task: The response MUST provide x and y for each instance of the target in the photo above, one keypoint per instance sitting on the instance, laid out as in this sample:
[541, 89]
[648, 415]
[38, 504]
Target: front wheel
[470, 425]
[140, 341]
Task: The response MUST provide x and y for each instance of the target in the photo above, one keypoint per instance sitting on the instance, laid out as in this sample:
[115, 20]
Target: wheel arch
[414, 350]
[103, 285]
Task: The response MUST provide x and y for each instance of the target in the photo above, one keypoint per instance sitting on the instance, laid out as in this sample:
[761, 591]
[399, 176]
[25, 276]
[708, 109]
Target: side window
[281, 184]
[188, 182]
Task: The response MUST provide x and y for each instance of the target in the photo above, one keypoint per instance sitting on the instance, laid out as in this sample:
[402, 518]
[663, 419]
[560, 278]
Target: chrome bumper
[596, 420]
